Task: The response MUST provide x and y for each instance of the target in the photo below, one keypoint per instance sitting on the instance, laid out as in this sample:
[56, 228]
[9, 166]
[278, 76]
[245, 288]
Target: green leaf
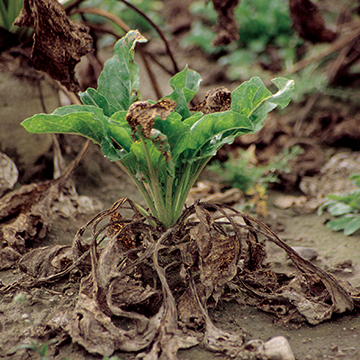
[120, 131]
[88, 121]
[340, 223]
[254, 100]
[177, 133]
[352, 226]
[214, 130]
[339, 208]
[185, 85]
[92, 97]
[118, 83]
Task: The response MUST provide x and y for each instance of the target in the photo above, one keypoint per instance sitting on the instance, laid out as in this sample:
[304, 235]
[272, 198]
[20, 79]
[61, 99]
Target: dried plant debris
[216, 100]
[8, 174]
[226, 26]
[59, 43]
[308, 22]
[27, 214]
[148, 289]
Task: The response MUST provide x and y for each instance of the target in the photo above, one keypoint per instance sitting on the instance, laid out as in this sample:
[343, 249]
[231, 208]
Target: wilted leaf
[216, 100]
[308, 22]
[142, 114]
[226, 27]
[59, 43]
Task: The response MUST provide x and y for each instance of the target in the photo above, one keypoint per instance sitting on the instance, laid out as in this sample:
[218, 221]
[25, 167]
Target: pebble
[278, 348]
[307, 253]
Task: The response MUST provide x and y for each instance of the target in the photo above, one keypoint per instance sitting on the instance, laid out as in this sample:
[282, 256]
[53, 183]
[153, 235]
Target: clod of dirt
[59, 43]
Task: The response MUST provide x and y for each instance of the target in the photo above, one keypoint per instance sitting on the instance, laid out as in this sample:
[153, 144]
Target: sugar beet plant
[162, 146]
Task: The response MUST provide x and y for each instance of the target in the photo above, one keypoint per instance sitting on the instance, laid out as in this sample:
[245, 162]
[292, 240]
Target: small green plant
[261, 24]
[9, 11]
[240, 172]
[161, 145]
[346, 208]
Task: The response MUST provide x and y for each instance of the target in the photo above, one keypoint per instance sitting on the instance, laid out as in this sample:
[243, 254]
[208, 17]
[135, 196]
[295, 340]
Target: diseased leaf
[185, 85]
[59, 43]
[119, 80]
[142, 114]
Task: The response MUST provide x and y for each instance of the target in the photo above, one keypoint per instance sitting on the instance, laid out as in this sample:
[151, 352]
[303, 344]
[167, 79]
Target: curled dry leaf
[308, 22]
[8, 174]
[226, 27]
[216, 100]
[59, 43]
[143, 114]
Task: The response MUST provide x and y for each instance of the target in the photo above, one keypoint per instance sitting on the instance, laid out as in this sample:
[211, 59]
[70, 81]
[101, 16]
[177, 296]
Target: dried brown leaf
[216, 100]
[226, 27]
[143, 114]
[308, 22]
[59, 43]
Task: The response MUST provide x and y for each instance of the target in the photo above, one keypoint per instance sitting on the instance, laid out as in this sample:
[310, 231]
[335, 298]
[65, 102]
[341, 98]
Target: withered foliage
[309, 23]
[149, 289]
[143, 114]
[226, 26]
[59, 43]
[216, 100]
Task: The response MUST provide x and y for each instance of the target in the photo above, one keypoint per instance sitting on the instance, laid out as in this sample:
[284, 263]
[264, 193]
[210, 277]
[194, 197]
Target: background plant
[239, 171]
[9, 11]
[162, 146]
[262, 24]
[346, 208]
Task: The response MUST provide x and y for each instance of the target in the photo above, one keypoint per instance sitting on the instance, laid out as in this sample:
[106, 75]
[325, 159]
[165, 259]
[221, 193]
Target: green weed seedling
[346, 208]
[239, 172]
[162, 146]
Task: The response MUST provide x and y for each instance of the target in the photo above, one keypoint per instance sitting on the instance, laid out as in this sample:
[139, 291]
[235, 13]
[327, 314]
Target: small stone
[307, 253]
[278, 348]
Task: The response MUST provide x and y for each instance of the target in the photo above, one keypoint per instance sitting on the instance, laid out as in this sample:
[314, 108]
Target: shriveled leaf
[185, 85]
[141, 115]
[59, 43]
[216, 100]
[118, 83]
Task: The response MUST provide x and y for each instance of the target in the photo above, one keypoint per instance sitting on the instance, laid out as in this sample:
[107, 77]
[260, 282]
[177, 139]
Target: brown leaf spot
[142, 113]
[216, 100]
[59, 43]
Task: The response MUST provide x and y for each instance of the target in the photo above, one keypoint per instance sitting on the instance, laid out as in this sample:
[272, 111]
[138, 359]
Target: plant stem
[144, 192]
[154, 185]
